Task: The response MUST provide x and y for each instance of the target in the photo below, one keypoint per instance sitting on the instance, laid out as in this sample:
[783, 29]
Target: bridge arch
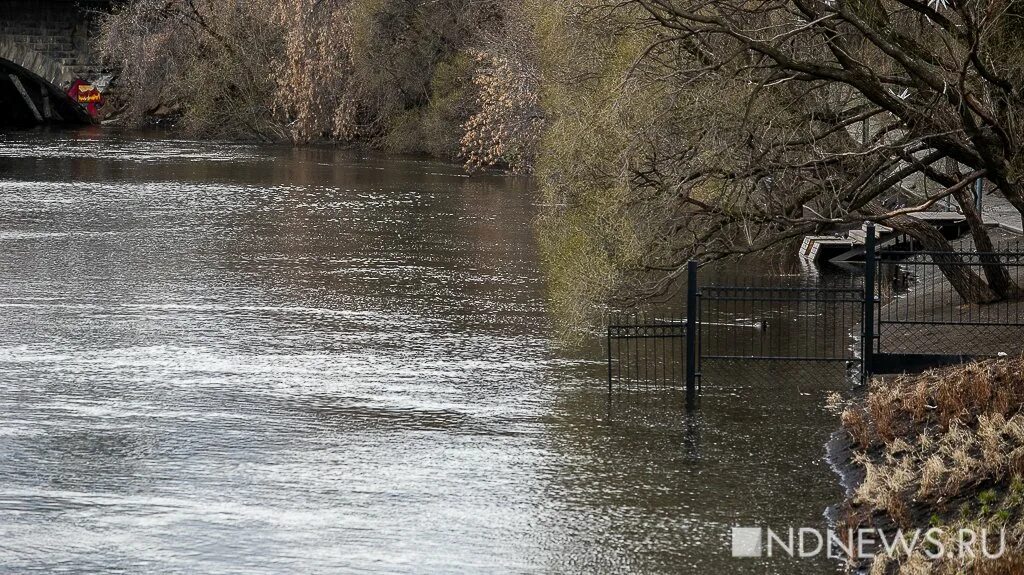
[35, 87]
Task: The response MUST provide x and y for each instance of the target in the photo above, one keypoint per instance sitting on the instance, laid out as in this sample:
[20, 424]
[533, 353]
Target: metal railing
[904, 311]
[779, 323]
[646, 352]
[925, 314]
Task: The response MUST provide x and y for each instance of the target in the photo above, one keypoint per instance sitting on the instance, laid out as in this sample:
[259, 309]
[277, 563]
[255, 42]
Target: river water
[223, 358]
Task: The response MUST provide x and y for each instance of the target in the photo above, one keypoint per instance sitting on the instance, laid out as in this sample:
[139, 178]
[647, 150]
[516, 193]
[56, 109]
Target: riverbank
[941, 451]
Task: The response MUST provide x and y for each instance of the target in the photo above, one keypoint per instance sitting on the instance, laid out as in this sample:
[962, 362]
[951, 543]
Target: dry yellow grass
[899, 407]
[945, 447]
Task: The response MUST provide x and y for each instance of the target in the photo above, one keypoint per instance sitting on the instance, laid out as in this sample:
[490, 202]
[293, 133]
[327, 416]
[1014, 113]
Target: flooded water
[220, 358]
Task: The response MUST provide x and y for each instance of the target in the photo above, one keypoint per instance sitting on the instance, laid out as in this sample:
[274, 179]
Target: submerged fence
[903, 314]
[787, 334]
[778, 322]
[646, 352]
[658, 352]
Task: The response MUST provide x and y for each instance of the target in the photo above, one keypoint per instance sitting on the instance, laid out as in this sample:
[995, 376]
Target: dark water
[231, 359]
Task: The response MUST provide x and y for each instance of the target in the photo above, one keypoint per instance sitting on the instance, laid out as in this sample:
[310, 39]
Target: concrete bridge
[48, 64]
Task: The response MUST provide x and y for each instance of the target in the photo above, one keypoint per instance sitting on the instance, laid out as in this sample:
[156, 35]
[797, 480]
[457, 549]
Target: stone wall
[58, 30]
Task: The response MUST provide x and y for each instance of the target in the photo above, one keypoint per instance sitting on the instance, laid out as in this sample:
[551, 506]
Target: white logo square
[746, 541]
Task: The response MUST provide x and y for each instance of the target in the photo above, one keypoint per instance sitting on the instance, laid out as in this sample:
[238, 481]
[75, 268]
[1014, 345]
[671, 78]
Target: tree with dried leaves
[508, 119]
[394, 73]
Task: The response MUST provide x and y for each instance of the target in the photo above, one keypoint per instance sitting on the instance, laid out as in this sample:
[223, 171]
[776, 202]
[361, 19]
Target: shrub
[390, 72]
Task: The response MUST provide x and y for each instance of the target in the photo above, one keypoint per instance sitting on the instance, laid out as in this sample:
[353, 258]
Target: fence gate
[753, 333]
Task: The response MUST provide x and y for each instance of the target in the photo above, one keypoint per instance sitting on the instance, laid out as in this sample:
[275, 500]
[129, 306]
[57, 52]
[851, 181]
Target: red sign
[87, 95]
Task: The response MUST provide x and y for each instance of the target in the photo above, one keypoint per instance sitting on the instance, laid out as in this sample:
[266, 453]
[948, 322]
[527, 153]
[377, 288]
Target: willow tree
[781, 118]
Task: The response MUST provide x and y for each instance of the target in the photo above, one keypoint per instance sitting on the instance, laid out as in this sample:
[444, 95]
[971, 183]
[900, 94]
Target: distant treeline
[457, 79]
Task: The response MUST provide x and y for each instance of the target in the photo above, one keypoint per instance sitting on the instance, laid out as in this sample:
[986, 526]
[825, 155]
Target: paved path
[997, 210]
[932, 318]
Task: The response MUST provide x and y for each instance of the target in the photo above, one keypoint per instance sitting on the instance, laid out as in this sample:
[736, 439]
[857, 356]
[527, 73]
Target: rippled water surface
[220, 358]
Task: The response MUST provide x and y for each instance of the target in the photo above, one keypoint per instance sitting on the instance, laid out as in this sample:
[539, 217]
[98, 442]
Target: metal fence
[659, 352]
[924, 320]
[903, 314]
[779, 323]
[646, 352]
[779, 333]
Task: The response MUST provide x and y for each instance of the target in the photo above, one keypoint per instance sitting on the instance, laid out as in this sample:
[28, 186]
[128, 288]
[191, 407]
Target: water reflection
[224, 358]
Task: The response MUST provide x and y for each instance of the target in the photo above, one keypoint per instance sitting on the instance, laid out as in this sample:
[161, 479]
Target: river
[226, 358]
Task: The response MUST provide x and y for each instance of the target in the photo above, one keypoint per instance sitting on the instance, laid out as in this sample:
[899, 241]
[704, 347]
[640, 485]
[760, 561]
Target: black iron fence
[787, 334]
[903, 314]
[635, 360]
[646, 352]
[926, 321]
[779, 323]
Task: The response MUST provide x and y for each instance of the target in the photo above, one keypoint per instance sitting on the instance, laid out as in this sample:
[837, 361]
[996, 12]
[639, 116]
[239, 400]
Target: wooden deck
[997, 212]
[850, 247]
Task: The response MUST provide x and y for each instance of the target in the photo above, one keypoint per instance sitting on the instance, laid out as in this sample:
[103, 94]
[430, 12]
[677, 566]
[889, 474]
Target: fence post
[610, 356]
[691, 334]
[868, 318]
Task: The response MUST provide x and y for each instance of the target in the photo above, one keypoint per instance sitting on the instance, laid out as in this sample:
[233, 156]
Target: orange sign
[87, 95]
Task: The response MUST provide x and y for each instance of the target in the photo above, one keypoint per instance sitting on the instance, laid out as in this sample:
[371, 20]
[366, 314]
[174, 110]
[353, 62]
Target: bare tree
[380, 71]
[775, 106]
[213, 55]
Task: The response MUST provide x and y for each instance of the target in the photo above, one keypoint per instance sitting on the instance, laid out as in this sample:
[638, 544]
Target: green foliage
[228, 96]
[412, 69]
[964, 511]
[594, 240]
[987, 497]
[435, 128]
[1017, 486]
[580, 271]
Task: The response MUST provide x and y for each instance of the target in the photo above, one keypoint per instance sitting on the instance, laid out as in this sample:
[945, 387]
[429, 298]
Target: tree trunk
[969, 285]
[1013, 192]
[996, 273]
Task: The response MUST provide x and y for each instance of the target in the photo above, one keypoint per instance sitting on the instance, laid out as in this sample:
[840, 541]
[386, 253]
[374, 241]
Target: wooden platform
[850, 246]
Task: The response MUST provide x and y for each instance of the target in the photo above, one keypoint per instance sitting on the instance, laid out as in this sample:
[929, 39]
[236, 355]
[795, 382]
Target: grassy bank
[943, 450]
